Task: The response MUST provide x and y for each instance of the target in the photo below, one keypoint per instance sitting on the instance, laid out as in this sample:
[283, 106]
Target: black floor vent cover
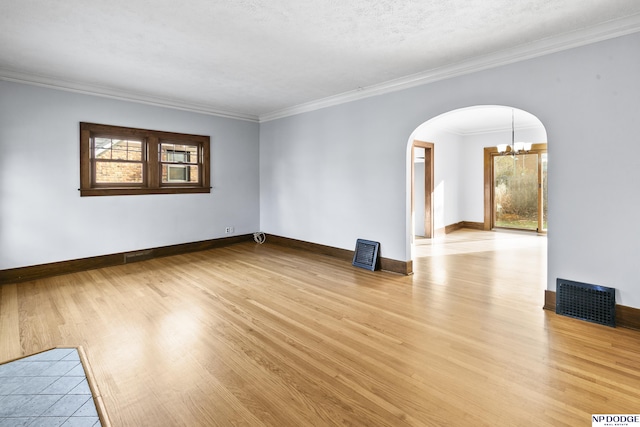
[366, 255]
[592, 303]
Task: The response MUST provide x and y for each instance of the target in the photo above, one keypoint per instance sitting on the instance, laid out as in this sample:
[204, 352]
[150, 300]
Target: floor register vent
[138, 256]
[592, 303]
[366, 255]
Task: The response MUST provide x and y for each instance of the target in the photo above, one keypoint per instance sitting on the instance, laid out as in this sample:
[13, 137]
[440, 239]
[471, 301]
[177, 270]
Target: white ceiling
[261, 59]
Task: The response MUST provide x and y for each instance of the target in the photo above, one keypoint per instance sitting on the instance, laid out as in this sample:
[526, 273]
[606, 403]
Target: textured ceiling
[255, 58]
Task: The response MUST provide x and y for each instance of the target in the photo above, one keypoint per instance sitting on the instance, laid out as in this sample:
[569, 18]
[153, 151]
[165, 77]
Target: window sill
[139, 191]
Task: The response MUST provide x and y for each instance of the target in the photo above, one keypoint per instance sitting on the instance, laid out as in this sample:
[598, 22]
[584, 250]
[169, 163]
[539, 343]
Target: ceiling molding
[605, 31]
[104, 92]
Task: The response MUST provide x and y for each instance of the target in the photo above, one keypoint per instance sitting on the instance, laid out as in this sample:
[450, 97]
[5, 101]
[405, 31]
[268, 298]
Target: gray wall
[341, 173]
[42, 216]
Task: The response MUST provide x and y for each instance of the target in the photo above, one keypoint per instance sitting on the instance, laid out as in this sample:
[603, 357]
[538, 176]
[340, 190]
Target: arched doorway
[459, 138]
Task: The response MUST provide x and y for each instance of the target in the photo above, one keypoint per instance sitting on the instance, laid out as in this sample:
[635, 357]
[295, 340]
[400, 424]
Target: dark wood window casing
[118, 160]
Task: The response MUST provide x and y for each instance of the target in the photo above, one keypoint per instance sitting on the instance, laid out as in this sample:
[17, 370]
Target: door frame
[489, 214]
[428, 187]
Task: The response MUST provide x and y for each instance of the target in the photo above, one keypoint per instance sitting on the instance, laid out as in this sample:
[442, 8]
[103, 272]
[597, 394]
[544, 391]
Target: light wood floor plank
[9, 323]
[262, 335]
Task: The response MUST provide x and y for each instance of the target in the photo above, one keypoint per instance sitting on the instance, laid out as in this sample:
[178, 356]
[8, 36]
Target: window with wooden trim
[516, 189]
[119, 161]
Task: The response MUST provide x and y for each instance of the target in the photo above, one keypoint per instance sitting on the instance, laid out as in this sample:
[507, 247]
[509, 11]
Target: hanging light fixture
[515, 148]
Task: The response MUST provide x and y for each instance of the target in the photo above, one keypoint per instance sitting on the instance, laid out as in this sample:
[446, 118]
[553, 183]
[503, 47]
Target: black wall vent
[592, 303]
[366, 255]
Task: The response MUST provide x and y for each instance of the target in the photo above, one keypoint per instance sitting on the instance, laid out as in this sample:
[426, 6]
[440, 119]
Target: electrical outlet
[228, 230]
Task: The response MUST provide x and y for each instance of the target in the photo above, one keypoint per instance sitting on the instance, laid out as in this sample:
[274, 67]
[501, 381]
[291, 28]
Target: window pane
[101, 143]
[177, 156]
[119, 152]
[118, 172]
[167, 152]
[102, 148]
[178, 153]
[134, 150]
[117, 149]
[516, 191]
[179, 173]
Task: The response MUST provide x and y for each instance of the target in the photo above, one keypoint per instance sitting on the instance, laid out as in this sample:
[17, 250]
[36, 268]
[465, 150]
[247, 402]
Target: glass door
[519, 191]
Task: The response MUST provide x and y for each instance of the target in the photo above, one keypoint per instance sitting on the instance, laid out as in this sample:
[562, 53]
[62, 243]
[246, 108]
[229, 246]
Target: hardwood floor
[261, 335]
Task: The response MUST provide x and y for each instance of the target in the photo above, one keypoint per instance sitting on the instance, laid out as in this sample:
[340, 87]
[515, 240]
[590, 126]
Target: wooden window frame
[152, 166]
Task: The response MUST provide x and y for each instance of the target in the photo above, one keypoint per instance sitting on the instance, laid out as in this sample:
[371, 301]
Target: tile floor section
[46, 389]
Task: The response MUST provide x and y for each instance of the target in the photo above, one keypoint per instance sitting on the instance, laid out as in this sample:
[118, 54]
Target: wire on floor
[259, 237]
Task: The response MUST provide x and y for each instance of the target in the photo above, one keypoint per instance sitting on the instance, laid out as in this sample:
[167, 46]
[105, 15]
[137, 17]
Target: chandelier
[514, 148]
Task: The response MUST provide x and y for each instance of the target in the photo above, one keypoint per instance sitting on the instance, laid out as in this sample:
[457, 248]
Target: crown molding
[605, 31]
[86, 89]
